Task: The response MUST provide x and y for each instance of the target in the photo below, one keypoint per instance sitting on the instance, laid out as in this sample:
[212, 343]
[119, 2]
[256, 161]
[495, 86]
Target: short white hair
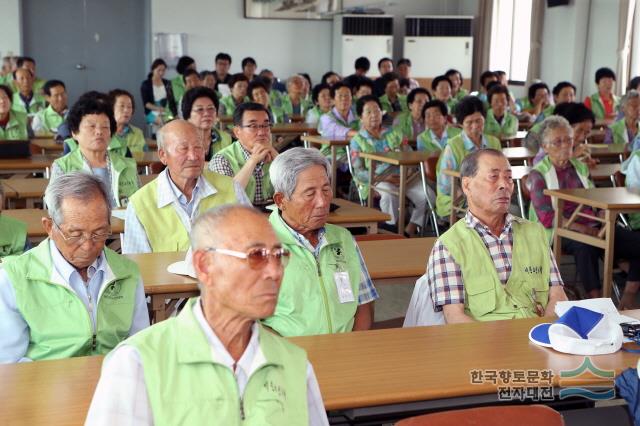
[78, 185]
[287, 166]
[631, 94]
[551, 123]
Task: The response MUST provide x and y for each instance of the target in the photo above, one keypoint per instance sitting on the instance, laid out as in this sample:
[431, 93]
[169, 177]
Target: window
[511, 38]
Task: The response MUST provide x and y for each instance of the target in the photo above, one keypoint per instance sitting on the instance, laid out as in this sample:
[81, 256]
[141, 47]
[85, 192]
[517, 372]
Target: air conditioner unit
[360, 35]
[436, 43]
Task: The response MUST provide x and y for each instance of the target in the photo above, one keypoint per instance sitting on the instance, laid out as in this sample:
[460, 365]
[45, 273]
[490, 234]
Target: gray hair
[293, 78]
[78, 185]
[631, 94]
[287, 166]
[209, 228]
[551, 123]
[469, 166]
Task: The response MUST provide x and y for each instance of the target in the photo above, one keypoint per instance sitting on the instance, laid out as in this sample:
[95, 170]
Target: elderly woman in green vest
[500, 123]
[470, 114]
[258, 93]
[457, 91]
[238, 85]
[322, 101]
[239, 263]
[199, 107]
[46, 121]
[127, 136]
[249, 158]
[392, 101]
[373, 137]
[438, 132]
[340, 297]
[160, 214]
[603, 103]
[13, 234]
[92, 123]
[559, 170]
[470, 282]
[70, 296]
[177, 83]
[442, 88]
[13, 124]
[25, 98]
[625, 130]
[411, 123]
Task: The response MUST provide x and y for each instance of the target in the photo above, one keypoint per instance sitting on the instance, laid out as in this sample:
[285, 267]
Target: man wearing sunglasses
[214, 362]
[159, 214]
[248, 159]
[70, 295]
[326, 286]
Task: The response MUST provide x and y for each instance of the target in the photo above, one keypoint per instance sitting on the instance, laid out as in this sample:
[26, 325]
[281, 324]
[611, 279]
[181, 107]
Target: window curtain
[481, 40]
[535, 50]
[625, 25]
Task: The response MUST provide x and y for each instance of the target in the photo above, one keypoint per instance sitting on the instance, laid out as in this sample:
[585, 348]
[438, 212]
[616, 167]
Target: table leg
[334, 169]
[158, 308]
[401, 198]
[609, 238]
[557, 240]
[372, 168]
[520, 198]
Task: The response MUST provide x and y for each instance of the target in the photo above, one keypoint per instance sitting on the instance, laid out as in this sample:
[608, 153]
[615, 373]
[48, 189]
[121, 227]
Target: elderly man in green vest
[70, 296]
[159, 214]
[215, 362]
[491, 265]
[46, 121]
[326, 287]
[248, 159]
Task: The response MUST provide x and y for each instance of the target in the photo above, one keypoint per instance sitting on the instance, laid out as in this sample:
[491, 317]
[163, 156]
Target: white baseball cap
[580, 331]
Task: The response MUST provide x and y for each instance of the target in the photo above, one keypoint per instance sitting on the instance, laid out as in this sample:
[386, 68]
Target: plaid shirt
[445, 276]
[366, 290]
[220, 164]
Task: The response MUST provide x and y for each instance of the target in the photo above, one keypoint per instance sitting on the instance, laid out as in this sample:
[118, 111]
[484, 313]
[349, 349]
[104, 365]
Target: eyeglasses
[256, 127]
[560, 142]
[257, 258]
[202, 110]
[79, 239]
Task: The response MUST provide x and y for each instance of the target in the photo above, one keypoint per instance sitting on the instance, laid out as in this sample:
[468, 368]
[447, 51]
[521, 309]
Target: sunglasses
[257, 258]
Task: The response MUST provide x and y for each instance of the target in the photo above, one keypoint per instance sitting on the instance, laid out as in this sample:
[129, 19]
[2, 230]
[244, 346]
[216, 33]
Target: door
[89, 44]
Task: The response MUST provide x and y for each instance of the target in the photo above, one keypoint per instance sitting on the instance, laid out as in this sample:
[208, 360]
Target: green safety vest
[405, 125]
[162, 225]
[597, 107]
[37, 103]
[548, 171]
[509, 126]
[386, 103]
[186, 385]
[485, 297]
[59, 324]
[287, 106]
[430, 145]
[461, 94]
[619, 131]
[308, 302]
[233, 153]
[124, 173]
[13, 236]
[223, 141]
[443, 201]
[50, 119]
[116, 145]
[133, 139]
[16, 128]
[229, 104]
[177, 87]
[393, 140]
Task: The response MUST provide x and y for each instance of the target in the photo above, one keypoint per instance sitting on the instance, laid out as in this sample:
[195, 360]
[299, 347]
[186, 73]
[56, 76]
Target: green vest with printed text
[485, 297]
[188, 386]
[124, 173]
[308, 302]
[59, 324]
[164, 229]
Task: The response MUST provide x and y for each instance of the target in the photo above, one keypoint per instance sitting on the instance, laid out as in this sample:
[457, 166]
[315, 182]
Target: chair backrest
[362, 202]
[526, 193]
[420, 311]
[431, 167]
[527, 415]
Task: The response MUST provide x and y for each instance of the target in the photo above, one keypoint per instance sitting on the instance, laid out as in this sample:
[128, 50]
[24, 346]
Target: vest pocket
[481, 296]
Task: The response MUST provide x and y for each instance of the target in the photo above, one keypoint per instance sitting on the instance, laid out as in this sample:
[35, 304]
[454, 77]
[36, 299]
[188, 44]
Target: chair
[528, 415]
[420, 310]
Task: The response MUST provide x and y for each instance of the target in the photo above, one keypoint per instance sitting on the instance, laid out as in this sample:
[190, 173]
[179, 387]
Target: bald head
[227, 224]
[174, 130]
[181, 149]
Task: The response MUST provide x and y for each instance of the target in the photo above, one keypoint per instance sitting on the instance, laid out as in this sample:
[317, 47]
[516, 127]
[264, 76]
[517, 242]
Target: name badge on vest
[343, 285]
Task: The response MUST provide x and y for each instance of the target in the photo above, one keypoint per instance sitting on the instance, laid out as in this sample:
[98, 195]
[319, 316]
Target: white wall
[10, 40]
[577, 40]
[284, 46]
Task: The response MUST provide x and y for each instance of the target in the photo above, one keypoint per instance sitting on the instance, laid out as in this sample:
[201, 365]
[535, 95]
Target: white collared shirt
[121, 395]
[135, 237]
